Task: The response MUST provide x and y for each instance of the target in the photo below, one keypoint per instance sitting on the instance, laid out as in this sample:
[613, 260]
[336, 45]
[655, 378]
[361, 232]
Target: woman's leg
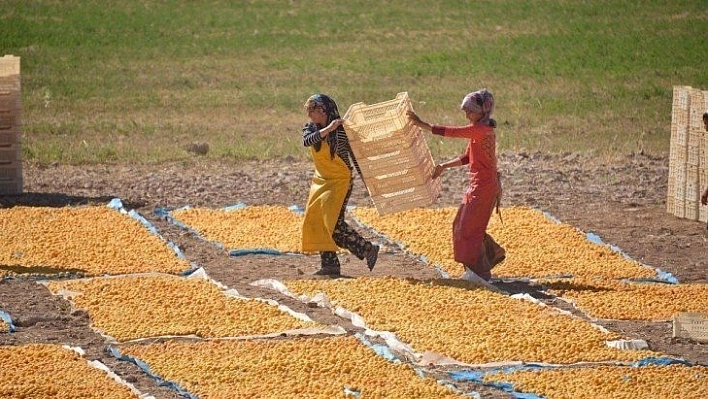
[490, 255]
[347, 237]
[471, 243]
[468, 230]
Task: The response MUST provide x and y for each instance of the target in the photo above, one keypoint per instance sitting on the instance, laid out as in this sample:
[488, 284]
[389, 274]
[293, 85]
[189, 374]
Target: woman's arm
[476, 131]
[439, 168]
[419, 122]
[311, 135]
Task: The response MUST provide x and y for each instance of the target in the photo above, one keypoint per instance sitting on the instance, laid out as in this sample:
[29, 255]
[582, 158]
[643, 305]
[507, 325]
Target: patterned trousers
[345, 237]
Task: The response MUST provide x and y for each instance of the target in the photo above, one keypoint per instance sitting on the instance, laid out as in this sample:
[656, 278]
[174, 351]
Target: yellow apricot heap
[133, 307]
[617, 382]
[535, 246]
[620, 300]
[284, 368]
[251, 227]
[40, 371]
[423, 232]
[470, 324]
[89, 240]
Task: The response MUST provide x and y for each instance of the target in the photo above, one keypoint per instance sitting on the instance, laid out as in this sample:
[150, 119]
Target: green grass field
[137, 81]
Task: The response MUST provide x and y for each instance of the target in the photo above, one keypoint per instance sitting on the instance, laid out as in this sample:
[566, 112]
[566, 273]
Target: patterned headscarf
[481, 101]
[328, 105]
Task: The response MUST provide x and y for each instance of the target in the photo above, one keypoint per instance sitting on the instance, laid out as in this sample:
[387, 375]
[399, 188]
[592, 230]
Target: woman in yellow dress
[324, 229]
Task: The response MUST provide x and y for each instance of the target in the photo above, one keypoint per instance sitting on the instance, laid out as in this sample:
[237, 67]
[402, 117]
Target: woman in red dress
[473, 247]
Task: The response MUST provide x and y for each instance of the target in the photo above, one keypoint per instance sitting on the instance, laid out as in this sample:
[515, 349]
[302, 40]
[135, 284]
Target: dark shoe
[328, 272]
[372, 256]
[498, 260]
[495, 253]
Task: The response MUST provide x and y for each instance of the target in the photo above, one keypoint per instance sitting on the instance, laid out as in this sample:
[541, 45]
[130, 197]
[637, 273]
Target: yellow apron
[330, 185]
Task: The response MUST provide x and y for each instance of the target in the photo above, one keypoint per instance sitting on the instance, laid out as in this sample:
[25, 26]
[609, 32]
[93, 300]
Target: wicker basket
[688, 161]
[10, 178]
[10, 126]
[693, 326]
[9, 137]
[392, 154]
[413, 197]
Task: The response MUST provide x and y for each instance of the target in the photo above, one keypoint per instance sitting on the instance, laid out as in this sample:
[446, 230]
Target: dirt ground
[623, 202]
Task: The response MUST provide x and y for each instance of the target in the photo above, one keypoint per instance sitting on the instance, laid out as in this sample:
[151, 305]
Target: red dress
[473, 247]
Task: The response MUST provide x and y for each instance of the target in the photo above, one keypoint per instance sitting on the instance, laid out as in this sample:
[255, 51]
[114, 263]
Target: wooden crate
[696, 109]
[680, 110]
[11, 178]
[391, 111]
[413, 197]
[10, 92]
[702, 185]
[681, 96]
[692, 194]
[10, 98]
[677, 188]
[693, 149]
[9, 65]
[392, 153]
[10, 126]
[10, 111]
[10, 120]
[11, 171]
[389, 162]
[688, 157]
[10, 154]
[400, 180]
[10, 137]
[11, 187]
[380, 137]
[693, 326]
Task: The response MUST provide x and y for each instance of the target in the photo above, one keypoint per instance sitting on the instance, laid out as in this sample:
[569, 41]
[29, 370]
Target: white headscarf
[480, 101]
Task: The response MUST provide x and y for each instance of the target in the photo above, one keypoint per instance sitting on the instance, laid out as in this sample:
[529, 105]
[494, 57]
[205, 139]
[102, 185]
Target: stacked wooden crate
[10, 126]
[394, 158]
[688, 154]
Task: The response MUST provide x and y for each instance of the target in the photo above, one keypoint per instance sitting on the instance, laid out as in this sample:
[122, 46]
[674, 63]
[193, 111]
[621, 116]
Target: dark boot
[332, 272]
[329, 264]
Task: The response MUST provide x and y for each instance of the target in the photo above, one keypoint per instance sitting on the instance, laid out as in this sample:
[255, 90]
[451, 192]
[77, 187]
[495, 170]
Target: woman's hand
[437, 171]
[414, 117]
[331, 127]
[418, 122]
